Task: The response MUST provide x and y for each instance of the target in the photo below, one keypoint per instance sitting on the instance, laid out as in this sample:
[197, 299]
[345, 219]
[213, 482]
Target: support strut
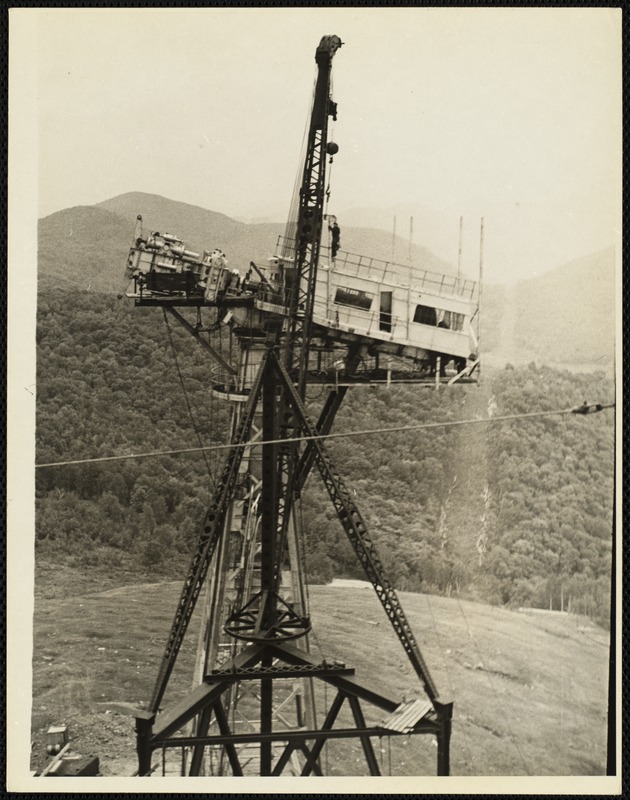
[211, 531]
[359, 537]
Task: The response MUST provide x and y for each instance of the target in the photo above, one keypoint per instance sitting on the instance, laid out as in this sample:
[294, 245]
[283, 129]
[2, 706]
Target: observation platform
[398, 322]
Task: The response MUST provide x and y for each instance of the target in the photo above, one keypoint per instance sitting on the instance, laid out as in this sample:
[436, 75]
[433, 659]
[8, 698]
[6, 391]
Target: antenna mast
[459, 250]
[480, 291]
[394, 240]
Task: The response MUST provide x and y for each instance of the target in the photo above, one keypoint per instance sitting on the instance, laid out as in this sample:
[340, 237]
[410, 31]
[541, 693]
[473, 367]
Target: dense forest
[516, 513]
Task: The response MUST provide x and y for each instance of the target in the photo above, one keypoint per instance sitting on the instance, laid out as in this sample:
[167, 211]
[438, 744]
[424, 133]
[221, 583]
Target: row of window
[425, 315]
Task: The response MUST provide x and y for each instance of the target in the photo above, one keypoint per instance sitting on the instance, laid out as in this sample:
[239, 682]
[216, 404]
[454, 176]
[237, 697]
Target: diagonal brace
[214, 353]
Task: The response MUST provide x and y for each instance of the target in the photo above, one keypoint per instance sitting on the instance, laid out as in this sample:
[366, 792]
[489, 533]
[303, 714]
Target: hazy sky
[466, 110]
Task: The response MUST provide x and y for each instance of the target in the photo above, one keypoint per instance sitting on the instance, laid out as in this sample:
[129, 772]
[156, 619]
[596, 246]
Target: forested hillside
[515, 513]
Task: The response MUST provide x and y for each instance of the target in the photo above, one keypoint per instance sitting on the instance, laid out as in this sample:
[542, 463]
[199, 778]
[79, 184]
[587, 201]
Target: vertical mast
[479, 294]
[394, 240]
[310, 215]
[459, 251]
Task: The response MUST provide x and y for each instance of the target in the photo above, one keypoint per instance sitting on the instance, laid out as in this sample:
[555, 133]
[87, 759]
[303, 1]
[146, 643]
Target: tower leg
[266, 712]
[202, 730]
[144, 728]
[328, 723]
[222, 722]
[368, 750]
[445, 717]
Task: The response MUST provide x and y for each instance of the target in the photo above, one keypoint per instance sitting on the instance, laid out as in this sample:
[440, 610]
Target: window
[457, 321]
[353, 297]
[425, 315]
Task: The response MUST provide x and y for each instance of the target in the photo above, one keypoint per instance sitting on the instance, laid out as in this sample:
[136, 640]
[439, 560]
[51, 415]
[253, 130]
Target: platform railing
[390, 271]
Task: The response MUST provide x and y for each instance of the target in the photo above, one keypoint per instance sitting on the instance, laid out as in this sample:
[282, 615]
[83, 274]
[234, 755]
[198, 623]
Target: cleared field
[530, 689]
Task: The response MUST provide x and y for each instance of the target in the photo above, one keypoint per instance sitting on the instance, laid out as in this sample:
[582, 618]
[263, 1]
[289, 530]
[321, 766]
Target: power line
[584, 409]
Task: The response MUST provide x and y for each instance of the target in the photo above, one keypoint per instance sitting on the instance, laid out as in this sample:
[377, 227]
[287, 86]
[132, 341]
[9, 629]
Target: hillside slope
[569, 313]
[83, 248]
[186, 220]
[505, 670]
[563, 317]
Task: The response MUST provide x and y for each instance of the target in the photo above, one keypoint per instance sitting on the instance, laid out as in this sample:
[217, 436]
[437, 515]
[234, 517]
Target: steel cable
[338, 435]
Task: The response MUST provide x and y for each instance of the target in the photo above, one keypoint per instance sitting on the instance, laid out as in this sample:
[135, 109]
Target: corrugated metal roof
[408, 713]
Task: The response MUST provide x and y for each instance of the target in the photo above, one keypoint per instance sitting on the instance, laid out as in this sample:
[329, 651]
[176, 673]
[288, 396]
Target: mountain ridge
[564, 316]
[199, 228]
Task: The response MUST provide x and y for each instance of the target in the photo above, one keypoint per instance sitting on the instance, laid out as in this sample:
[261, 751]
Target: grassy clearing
[529, 688]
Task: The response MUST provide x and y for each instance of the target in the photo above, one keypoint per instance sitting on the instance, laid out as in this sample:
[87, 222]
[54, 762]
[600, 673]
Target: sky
[506, 113]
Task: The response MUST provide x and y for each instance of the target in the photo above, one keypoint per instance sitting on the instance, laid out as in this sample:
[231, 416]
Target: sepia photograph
[313, 452]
